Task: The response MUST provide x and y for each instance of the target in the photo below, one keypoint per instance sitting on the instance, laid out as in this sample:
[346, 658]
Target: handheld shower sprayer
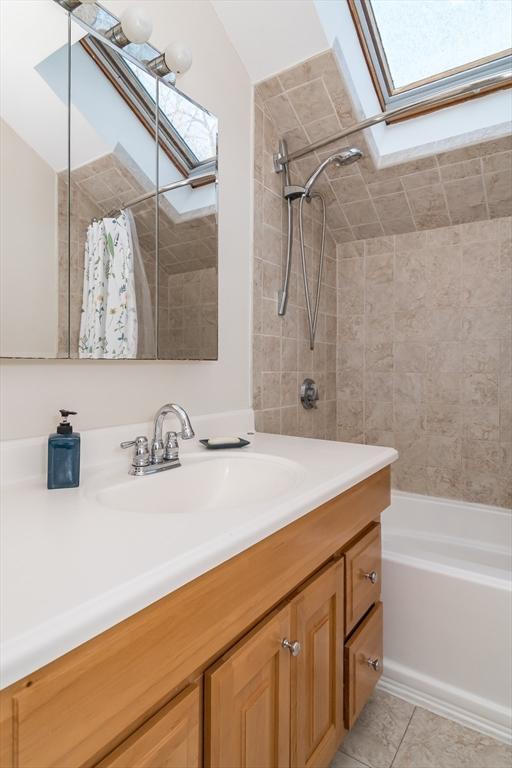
[345, 157]
[305, 193]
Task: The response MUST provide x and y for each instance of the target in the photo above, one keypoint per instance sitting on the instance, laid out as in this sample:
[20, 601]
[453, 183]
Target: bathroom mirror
[33, 162]
[130, 268]
[187, 232]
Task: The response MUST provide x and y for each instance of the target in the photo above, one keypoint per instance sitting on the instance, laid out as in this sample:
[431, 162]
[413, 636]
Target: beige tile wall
[282, 357]
[187, 307]
[416, 307]
[424, 356]
[310, 102]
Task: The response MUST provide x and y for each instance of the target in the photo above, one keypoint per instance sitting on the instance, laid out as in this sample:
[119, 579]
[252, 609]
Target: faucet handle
[171, 446]
[141, 454]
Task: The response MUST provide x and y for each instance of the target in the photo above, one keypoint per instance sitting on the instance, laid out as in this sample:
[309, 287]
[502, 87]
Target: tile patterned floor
[390, 733]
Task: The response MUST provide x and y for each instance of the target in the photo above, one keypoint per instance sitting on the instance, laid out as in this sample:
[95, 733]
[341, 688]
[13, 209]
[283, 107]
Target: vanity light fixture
[177, 58]
[135, 26]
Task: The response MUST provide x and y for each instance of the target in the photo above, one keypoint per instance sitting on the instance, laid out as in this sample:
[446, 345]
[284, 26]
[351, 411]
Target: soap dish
[240, 444]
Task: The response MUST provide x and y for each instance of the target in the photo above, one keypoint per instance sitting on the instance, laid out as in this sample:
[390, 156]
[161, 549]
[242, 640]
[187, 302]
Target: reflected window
[187, 131]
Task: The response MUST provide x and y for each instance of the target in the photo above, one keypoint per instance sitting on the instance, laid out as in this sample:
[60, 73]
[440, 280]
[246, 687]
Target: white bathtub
[447, 590]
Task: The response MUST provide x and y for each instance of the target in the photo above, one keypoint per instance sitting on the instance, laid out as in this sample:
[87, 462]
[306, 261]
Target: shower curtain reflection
[114, 287]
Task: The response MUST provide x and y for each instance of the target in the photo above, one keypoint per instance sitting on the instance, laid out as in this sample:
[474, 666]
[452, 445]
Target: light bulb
[136, 25]
[88, 11]
[178, 57]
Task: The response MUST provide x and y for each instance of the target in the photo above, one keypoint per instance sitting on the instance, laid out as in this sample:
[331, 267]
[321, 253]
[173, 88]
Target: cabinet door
[170, 739]
[317, 672]
[247, 697]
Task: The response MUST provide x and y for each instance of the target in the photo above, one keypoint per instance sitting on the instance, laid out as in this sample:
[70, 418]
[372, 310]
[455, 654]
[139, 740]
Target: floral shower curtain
[109, 326]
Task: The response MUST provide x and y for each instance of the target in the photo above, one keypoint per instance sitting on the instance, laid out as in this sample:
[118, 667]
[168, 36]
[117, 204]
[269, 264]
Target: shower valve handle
[308, 394]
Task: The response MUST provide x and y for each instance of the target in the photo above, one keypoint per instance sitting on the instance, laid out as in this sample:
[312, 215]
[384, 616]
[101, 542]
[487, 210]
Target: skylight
[188, 131]
[416, 46]
[424, 39]
[196, 126]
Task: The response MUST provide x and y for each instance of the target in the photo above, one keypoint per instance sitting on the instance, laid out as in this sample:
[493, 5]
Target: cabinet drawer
[170, 739]
[363, 664]
[362, 577]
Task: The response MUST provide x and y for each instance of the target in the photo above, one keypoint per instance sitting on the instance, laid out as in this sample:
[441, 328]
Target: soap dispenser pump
[64, 455]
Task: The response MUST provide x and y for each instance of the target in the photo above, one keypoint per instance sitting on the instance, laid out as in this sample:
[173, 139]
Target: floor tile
[434, 742]
[376, 736]
[344, 761]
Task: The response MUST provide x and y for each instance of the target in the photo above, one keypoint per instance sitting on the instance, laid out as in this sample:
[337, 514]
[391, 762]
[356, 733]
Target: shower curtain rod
[195, 181]
[281, 159]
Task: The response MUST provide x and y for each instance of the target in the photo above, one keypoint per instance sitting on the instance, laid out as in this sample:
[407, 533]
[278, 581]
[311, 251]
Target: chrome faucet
[162, 454]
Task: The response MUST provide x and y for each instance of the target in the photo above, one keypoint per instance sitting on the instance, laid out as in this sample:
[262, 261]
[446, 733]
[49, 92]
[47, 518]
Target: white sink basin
[202, 483]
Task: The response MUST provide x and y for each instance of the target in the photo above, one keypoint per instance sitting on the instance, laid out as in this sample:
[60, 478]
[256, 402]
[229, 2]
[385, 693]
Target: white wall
[117, 392]
[272, 36]
[28, 254]
[23, 47]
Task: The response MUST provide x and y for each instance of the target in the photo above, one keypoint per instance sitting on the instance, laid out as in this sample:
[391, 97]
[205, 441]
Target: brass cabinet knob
[294, 647]
[374, 664]
[372, 576]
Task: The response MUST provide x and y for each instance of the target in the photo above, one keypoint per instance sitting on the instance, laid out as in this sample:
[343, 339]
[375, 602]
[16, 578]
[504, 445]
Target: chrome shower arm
[503, 79]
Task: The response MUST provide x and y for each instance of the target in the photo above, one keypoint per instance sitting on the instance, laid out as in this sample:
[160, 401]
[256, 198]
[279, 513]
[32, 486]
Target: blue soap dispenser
[64, 455]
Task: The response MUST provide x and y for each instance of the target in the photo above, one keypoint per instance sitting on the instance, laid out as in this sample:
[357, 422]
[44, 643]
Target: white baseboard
[453, 703]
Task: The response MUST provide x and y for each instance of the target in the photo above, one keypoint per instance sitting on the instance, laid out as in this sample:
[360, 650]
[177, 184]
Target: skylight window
[196, 126]
[187, 131]
[416, 46]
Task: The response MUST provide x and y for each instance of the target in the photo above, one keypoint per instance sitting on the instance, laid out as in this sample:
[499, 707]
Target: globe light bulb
[88, 11]
[136, 24]
[178, 57]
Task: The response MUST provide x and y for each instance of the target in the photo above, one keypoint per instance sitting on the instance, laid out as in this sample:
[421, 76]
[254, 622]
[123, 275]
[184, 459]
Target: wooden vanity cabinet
[247, 702]
[275, 704]
[170, 739]
[317, 672]
[202, 673]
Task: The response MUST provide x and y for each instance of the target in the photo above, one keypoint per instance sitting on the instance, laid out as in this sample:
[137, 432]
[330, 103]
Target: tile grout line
[357, 760]
[403, 737]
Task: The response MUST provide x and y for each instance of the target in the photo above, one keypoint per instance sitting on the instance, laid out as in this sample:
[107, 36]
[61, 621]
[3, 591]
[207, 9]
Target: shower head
[344, 157]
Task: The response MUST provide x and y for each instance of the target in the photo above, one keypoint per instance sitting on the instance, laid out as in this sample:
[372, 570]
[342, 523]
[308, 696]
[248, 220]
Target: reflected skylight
[196, 126]
[424, 38]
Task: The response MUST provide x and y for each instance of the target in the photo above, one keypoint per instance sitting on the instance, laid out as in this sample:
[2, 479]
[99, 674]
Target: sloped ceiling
[272, 35]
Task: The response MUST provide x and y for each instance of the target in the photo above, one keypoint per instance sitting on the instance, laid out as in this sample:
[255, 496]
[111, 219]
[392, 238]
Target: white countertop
[71, 567]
